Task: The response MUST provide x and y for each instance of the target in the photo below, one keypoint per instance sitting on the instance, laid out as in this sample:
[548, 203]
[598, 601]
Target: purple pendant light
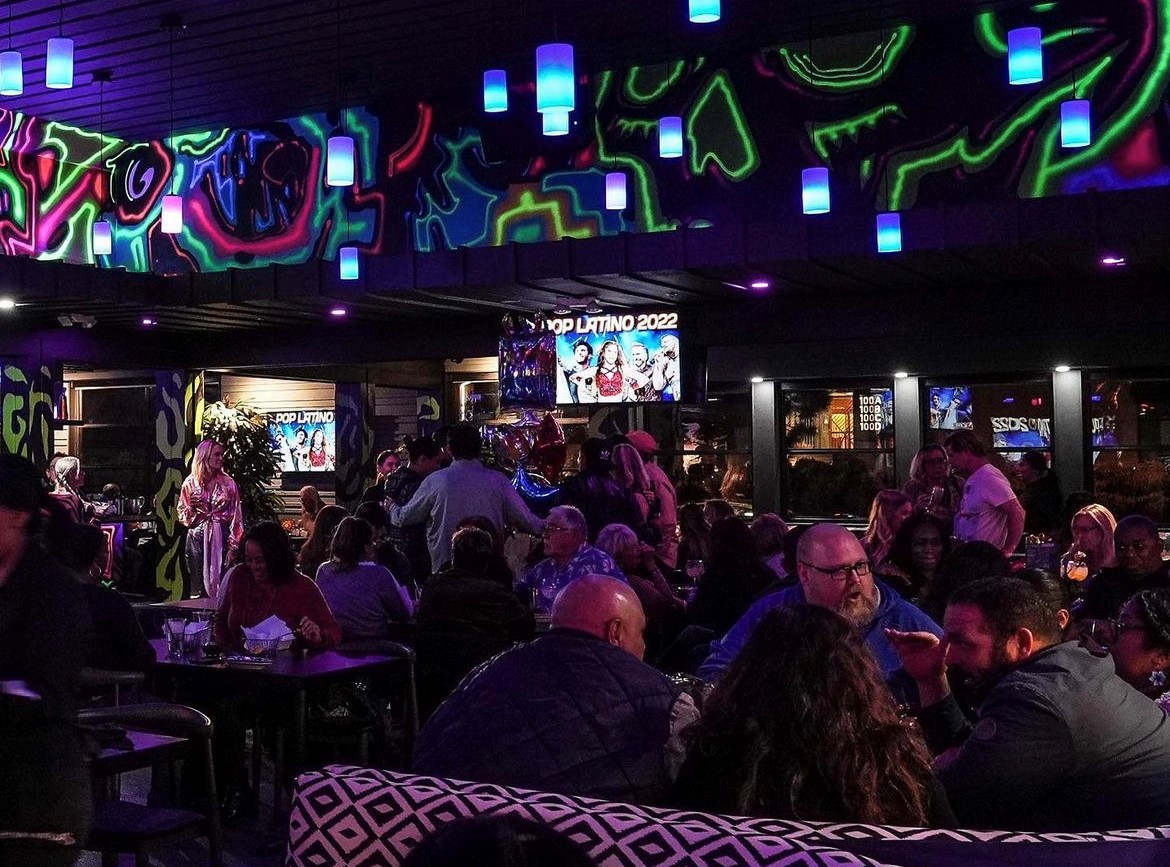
[103, 231]
[172, 205]
[11, 66]
[615, 191]
[556, 84]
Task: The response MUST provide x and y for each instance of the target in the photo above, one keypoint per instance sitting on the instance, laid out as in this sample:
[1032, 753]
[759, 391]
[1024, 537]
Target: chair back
[398, 651]
[176, 720]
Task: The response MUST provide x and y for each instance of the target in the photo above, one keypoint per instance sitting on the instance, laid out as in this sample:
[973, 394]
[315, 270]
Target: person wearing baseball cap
[44, 635]
[667, 518]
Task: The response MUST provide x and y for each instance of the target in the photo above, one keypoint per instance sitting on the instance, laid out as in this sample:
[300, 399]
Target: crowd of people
[652, 652]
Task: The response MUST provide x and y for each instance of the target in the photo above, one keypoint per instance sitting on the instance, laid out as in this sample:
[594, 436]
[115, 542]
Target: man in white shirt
[989, 510]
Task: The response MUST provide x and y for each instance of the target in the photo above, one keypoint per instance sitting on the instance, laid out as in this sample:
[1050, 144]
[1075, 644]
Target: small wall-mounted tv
[306, 440]
[622, 357]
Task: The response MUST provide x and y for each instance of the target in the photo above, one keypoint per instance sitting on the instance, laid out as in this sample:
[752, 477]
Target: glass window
[1009, 418]
[1128, 438]
[839, 445]
[714, 460]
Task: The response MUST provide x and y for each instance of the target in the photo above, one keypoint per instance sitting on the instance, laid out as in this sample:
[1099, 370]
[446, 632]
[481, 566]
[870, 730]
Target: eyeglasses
[935, 460]
[841, 573]
[553, 528]
[1136, 547]
[1120, 626]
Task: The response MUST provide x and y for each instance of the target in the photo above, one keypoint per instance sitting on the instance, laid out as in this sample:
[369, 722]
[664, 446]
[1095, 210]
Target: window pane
[1009, 417]
[1128, 431]
[839, 448]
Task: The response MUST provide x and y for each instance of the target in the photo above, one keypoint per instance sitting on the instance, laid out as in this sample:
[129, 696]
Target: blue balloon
[537, 491]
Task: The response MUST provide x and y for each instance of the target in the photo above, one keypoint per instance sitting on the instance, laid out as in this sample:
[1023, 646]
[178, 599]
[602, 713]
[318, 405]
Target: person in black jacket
[576, 711]
[592, 490]
[44, 635]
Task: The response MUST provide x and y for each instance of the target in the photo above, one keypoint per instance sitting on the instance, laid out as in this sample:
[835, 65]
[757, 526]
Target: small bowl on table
[261, 648]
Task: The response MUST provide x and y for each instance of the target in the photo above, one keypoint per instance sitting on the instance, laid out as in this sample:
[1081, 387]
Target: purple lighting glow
[1113, 261]
[338, 311]
[760, 284]
[148, 321]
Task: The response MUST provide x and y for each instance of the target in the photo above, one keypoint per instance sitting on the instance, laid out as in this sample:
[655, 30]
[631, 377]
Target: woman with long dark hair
[802, 726]
[315, 551]
[920, 546]
[694, 536]
[735, 575]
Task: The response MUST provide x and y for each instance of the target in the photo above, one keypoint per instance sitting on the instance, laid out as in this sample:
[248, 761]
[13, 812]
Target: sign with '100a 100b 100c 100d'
[618, 357]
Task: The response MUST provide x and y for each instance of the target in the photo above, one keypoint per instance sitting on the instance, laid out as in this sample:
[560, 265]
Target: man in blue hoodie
[834, 573]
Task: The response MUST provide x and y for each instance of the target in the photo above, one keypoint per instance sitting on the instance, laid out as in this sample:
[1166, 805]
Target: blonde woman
[1092, 532]
[890, 508]
[67, 476]
[209, 507]
[630, 474]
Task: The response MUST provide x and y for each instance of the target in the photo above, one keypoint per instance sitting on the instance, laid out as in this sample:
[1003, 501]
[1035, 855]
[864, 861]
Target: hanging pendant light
[172, 205]
[59, 55]
[555, 122]
[349, 263]
[1025, 55]
[615, 191]
[670, 137]
[339, 161]
[103, 232]
[703, 11]
[11, 66]
[889, 232]
[556, 85]
[814, 190]
[495, 91]
[1076, 129]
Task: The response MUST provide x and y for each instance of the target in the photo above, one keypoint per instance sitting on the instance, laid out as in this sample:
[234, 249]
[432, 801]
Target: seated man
[835, 574]
[569, 556]
[1139, 567]
[576, 711]
[1061, 743]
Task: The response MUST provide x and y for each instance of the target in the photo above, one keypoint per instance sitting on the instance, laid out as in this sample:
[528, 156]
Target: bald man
[575, 712]
[834, 573]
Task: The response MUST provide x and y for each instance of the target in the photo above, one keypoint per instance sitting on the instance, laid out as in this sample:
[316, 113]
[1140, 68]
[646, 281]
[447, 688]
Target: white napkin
[273, 627]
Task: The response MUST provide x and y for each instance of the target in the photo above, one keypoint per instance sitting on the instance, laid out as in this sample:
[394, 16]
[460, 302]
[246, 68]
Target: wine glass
[694, 570]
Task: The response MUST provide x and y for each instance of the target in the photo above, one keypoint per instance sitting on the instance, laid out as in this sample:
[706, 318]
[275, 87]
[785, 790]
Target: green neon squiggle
[822, 135]
[659, 78]
[720, 88]
[991, 36]
[869, 72]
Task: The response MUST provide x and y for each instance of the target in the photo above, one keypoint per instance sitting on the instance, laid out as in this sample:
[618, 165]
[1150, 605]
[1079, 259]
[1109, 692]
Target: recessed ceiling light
[1062, 368]
[338, 311]
[7, 304]
[757, 379]
[1113, 261]
[149, 321]
[900, 374]
[761, 284]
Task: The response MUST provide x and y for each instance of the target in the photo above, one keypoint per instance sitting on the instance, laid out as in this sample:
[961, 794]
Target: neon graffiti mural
[872, 107]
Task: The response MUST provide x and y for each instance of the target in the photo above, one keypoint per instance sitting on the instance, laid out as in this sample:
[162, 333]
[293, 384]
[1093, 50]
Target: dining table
[290, 672]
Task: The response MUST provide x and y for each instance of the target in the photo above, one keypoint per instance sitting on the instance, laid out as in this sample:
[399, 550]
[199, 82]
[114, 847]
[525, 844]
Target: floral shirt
[548, 579]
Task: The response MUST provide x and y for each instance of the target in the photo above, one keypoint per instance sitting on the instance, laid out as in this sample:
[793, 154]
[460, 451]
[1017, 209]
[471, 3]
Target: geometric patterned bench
[346, 816]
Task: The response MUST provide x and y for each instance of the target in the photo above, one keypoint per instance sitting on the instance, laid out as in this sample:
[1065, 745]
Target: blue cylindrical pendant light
[339, 161]
[889, 232]
[348, 262]
[615, 191]
[703, 11]
[555, 122]
[1025, 55]
[556, 85]
[59, 63]
[814, 190]
[172, 214]
[1076, 128]
[11, 73]
[103, 238]
[495, 90]
[670, 137]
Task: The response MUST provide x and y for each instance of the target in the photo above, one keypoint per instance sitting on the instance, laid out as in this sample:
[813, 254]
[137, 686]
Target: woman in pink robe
[209, 506]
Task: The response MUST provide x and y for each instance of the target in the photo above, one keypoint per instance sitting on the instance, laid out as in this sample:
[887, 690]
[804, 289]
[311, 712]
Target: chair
[407, 725]
[96, 681]
[120, 826]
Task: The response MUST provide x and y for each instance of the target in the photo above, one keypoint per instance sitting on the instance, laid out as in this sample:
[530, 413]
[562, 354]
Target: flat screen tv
[950, 408]
[306, 440]
[621, 357]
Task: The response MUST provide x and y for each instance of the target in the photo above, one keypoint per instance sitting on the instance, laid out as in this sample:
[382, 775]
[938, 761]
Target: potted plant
[249, 456]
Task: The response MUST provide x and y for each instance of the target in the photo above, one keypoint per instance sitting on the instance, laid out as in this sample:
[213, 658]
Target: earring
[1158, 678]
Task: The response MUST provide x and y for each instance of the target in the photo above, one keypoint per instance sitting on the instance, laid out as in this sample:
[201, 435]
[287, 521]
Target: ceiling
[242, 62]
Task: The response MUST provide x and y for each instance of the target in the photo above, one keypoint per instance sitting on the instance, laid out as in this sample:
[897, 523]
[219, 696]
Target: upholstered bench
[357, 816]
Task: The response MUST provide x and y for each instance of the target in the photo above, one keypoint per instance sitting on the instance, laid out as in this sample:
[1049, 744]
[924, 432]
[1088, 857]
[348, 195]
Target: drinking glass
[694, 570]
[174, 629]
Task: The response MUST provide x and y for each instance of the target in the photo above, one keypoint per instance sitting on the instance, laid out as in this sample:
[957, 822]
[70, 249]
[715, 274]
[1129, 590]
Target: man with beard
[640, 360]
[1061, 743]
[582, 354]
[665, 364]
[835, 574]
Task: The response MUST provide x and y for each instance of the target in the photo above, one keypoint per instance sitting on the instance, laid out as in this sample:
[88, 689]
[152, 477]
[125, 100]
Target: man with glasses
[835, 574]
[568, 556]
[1139, 567]
[1061, 743]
